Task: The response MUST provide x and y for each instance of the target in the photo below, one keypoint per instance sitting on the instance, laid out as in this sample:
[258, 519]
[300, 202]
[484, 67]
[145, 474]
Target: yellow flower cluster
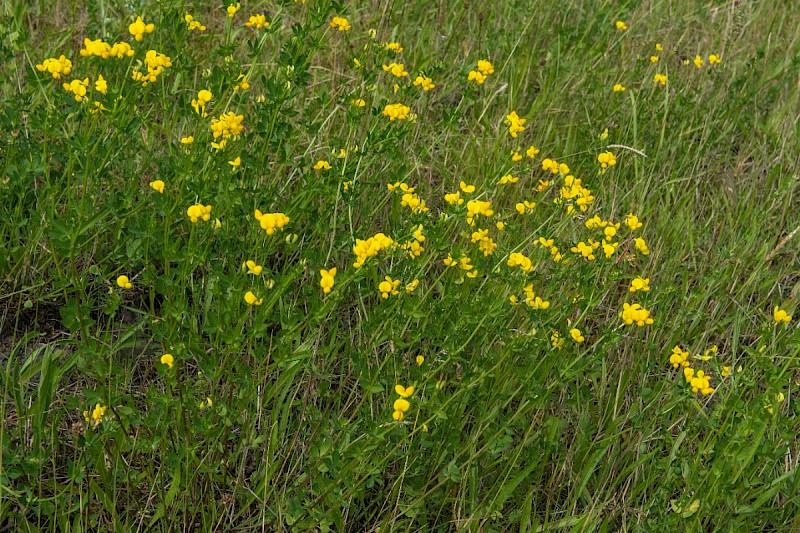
[484, 69]
[388, 287]
[524, 206]
[199, 104]
[554, 166]
[227, 125]
[340, 23]
[635, 314]
[401, 405]
[516, 125]
[640, 284]
[258, 22]
[394, 47]
[271, 222]
[520, 260]
[327, 280]
[77, 88]
[573, 189]
[396, 111]
[364, 249]
[548, 243]
[192, 24]
[463, 263]
[57, 67]
[413, 202]
[679, 358]
[155, 63]
[424, 82]
[96, 416]
[607, 159]
[398, 70]
[485, 243]
[478, 207]
[100, 48]
[660, 79]
[197, 212]
[138, 28]
[123, 282]
[781, 316]
[698, 380]
[586, 249]
[533, 301]
[321, 165]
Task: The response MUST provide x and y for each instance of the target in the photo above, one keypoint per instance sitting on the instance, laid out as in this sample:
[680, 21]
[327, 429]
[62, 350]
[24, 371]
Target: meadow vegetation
[399, 266]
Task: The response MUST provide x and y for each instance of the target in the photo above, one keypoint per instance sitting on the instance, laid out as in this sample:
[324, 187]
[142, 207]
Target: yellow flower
[56, 67]
[197, 212]
[420, 359]
[359, 102]
[411, 286]
[157, 185]
[322, 165]
[621, 25]
[253, 267]
[138, 28]
[424, 82]
[485, 67]
[712, 59]
[101, 85]
[187, 140]
[679, 358]
[466, 188]
[515, 124]
[394, 47]
[257, 21]
[576, 335]
[388, 287]
[618, 88]
[327, 280]
[232, 9]
[124, 282]
[167, 359]
[271, 222]
[236, 163]
[192, 24]
[635, 314]
[252, 299]
[96, 416]
[243, 84]
[654, 59]
[531, 151]
[659, 48]
[632, 221]
[606, 159]
[780, 315]
[396, 111]
[77, 88]
[340, 23]
[660, 79]
[397, 69]
[476, 76]
[641, 245]
[640, 284]
[698, 61]
[726, 371]
[404, 392]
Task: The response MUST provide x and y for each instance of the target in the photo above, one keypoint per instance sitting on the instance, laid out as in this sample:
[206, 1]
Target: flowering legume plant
[414, 266]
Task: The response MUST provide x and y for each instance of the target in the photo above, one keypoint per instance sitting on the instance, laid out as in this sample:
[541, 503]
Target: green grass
[505, 432]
